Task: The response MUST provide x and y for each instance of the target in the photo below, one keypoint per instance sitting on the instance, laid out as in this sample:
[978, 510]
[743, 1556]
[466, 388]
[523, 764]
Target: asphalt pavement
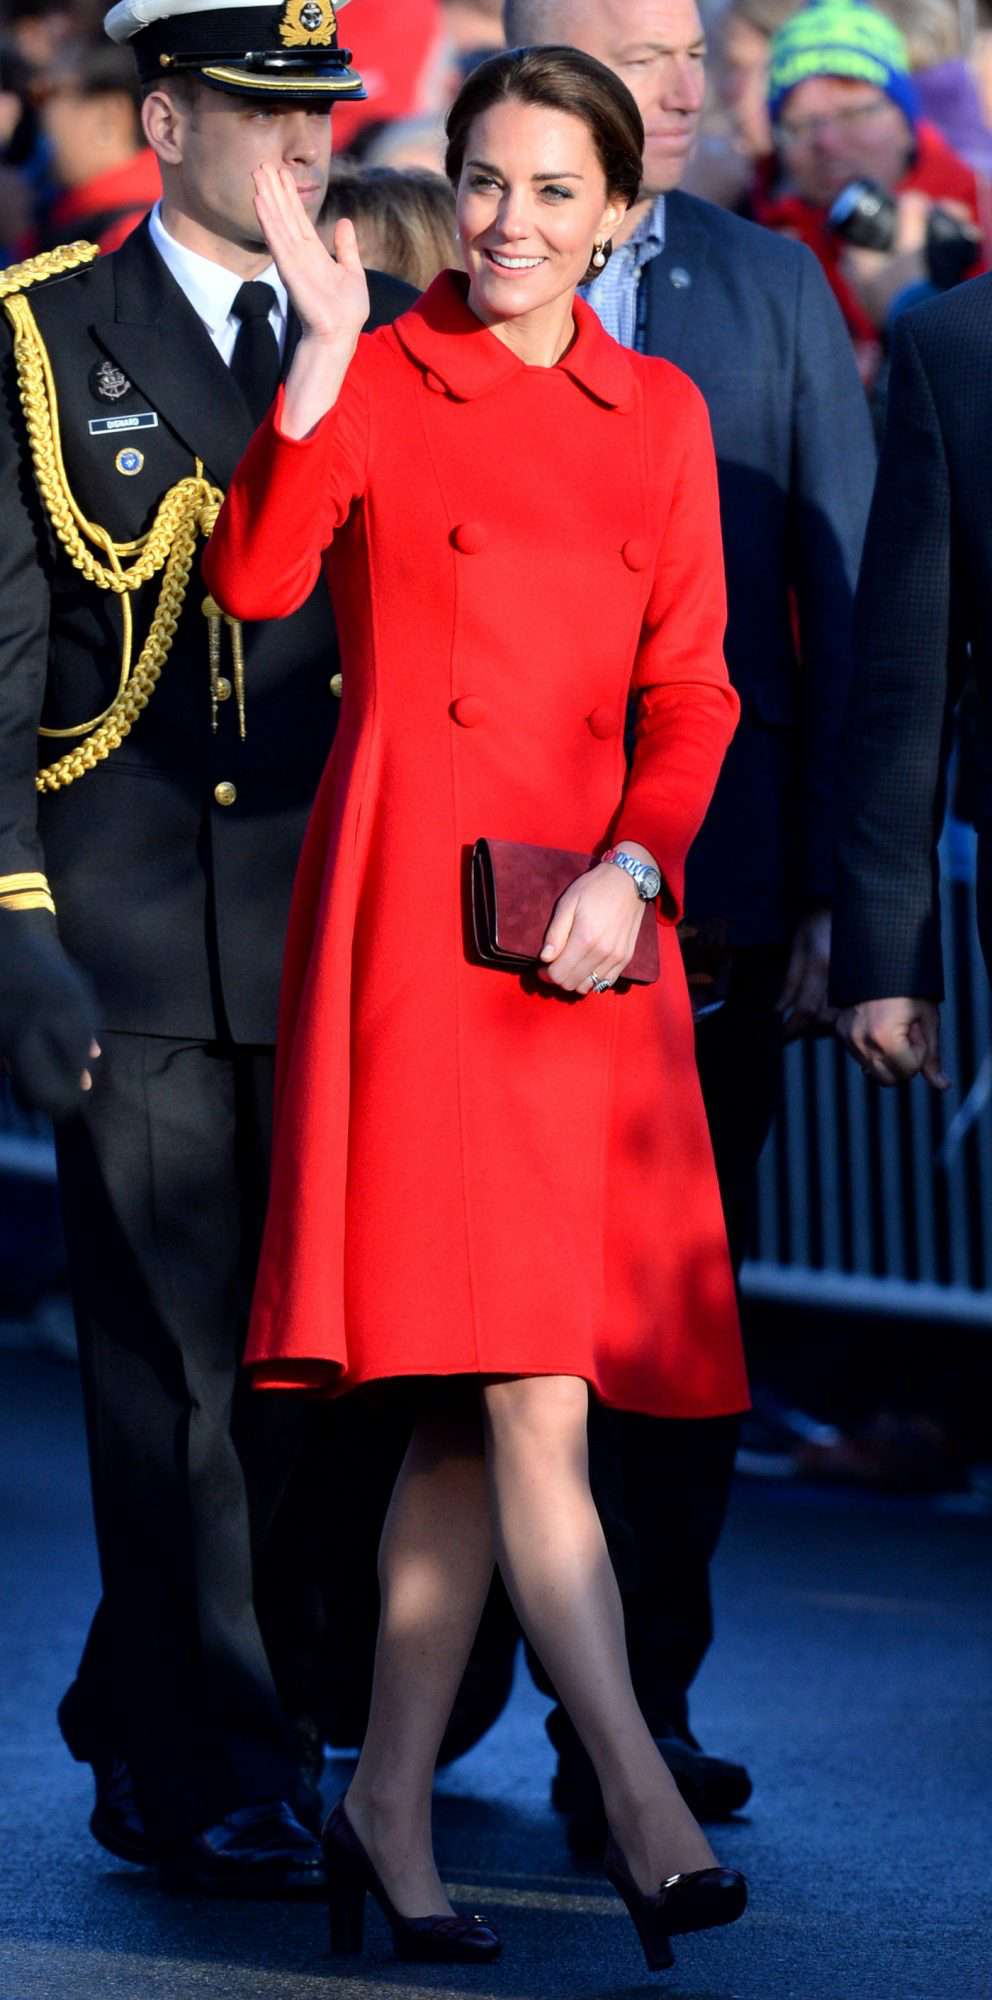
[852, 1673]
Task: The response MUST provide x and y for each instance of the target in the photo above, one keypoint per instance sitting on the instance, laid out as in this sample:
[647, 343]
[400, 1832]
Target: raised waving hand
[330, 296]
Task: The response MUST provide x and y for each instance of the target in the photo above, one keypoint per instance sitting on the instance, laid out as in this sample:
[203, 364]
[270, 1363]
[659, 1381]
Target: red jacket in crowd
[105, 209]
[935, 171]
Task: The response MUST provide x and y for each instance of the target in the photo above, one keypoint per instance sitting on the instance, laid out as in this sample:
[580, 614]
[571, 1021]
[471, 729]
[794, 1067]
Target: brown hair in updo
[563, 79]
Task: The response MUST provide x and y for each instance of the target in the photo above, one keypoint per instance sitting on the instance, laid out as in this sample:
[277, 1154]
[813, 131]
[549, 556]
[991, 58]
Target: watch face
[650, 884]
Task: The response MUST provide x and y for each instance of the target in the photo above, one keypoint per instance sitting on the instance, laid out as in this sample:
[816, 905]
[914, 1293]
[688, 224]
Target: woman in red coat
[479, 1175]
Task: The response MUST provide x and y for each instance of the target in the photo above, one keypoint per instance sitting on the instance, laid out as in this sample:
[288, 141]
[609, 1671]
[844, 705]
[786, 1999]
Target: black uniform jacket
[174, 903]
[750, 317]
[922, 617]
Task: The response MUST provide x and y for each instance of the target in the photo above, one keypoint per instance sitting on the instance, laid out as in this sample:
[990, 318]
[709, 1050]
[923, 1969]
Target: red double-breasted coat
[474, 1173]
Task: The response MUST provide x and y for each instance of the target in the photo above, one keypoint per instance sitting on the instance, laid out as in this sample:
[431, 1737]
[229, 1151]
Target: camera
[864, 215]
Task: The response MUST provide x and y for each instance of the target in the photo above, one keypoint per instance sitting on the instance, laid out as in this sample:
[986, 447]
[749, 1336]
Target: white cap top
[129, 17]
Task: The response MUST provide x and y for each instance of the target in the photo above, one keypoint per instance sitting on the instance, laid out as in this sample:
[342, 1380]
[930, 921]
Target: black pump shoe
[699, 1901]
[428, 1940]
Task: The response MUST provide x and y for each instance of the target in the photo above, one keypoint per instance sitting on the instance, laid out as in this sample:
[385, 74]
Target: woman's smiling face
[532, 201]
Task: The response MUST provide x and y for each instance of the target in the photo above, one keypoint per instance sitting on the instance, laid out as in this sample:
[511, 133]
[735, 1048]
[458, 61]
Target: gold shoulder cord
[190, 508]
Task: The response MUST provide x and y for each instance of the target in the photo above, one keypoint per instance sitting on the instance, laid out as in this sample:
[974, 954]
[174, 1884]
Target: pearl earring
[599, 257]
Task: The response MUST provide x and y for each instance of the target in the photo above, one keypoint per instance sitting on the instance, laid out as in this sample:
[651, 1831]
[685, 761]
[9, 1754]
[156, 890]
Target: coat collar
[445, 339]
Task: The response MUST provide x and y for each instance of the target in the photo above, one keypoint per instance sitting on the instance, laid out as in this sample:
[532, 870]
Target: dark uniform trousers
[223, 1576]
[163, 1181]
[170, 863]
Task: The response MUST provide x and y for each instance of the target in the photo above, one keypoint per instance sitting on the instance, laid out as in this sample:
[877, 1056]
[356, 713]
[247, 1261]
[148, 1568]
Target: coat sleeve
[25, 593]
[832, 478]
[686, 708]
[890, 794]
[48, 1015]
[286, 502]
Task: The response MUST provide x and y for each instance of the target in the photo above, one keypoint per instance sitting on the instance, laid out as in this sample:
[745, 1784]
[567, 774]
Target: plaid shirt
[614, 292]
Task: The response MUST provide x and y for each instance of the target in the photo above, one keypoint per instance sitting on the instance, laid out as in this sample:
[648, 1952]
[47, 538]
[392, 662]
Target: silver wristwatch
[646, 880]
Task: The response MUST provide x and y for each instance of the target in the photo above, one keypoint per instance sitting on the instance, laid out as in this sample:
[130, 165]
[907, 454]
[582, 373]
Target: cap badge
[108, 382]
[307, 24]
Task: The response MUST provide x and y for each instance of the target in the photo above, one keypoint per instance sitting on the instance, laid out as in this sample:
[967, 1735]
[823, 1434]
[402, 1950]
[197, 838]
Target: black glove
[47, 1018]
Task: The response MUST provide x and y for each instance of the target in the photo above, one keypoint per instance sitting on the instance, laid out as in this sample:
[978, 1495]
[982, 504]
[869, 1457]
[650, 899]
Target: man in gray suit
[749, 317]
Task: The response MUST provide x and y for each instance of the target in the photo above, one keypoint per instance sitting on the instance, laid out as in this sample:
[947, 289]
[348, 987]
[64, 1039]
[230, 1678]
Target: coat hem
[327, 1381]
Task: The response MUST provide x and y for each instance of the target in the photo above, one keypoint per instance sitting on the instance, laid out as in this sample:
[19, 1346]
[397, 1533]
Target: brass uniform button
[336, 684]
[225, 793]
[222, 689]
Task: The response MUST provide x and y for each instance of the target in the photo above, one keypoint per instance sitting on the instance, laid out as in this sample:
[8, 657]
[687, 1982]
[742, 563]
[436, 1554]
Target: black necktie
[255, 360]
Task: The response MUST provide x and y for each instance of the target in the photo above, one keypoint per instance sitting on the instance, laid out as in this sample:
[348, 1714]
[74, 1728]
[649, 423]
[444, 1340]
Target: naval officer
[149, 848]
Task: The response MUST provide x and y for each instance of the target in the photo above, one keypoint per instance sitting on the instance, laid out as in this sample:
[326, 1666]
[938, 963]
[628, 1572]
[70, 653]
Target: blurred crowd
[870, 143]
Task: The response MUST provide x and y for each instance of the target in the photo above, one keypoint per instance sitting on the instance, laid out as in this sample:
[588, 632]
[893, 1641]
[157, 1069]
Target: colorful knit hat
[841, 38]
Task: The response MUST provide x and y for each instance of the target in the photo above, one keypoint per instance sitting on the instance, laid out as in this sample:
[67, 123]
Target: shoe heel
[346, 1911]
[648, 1923]
[655, 1944]
[347, 1868]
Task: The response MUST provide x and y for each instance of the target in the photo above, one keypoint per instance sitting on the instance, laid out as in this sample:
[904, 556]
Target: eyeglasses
[801, 130]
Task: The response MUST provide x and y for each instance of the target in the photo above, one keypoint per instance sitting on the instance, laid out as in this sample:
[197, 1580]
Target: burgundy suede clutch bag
[514, 891]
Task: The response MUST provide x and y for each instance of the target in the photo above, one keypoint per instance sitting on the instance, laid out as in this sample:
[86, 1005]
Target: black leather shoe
[712, 1787]
[116, 1820]
[260, 1850]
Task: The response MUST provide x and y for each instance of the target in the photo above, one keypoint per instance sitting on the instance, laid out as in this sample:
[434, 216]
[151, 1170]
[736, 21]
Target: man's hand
[802, 1002]
[47, 1019]
[894, 1040]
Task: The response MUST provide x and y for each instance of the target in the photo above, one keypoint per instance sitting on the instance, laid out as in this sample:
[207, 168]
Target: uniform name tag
[144, 420]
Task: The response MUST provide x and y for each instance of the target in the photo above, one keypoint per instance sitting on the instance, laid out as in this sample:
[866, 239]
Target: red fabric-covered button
[435, 383]
[603, 723]
[468, 711]
[636, 555]
[469, 537]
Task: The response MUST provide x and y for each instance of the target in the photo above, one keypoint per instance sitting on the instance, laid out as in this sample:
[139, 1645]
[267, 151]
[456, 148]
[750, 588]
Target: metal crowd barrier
[881, 1200]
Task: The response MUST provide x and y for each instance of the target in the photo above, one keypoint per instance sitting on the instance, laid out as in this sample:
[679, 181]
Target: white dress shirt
[212, 290]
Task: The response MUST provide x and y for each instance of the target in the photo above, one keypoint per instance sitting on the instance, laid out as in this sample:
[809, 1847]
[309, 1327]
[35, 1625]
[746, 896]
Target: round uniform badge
[129, 461]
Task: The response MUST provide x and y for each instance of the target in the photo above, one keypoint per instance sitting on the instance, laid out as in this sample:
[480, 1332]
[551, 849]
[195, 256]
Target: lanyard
[641, 311]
